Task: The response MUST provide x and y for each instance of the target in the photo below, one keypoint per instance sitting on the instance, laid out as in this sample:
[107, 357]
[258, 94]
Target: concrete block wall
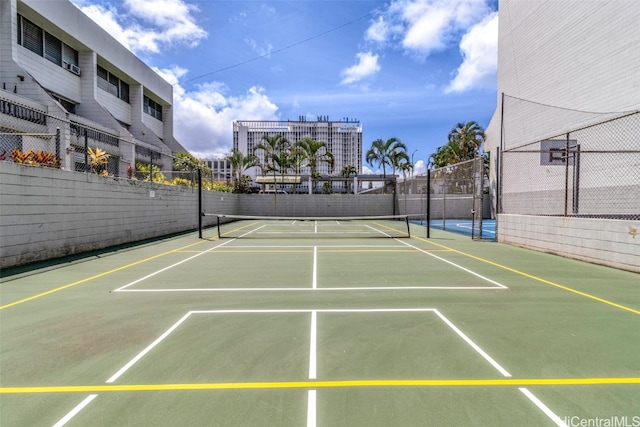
[316, 205]
[50, 213]
[600, 241]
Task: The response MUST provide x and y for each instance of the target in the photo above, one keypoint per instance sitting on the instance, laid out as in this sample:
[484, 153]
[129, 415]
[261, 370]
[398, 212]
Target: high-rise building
[343, 139]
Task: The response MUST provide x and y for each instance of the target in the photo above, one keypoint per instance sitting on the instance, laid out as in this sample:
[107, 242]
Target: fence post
[566, 176]
[428, 203]
[57, 143]
[200, 213]
[86, 150]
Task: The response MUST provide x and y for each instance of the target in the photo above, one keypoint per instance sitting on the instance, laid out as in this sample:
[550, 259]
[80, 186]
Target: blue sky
[409, 69]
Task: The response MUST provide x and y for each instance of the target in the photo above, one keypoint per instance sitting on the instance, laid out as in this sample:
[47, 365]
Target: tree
[464, 143]
[382, 153]
[347, 171]
[272, 147]
[297, 159]
[316, 152]
[187, 162]
[239, 164]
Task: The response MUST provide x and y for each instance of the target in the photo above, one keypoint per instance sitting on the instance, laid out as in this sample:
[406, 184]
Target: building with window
[66, 86]
[342, 138]
[220, 169]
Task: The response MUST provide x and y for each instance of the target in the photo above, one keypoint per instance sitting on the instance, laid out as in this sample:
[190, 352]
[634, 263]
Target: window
[52, 49]
[30, 35]
[152, 108]
[112, 84]
[46, 45]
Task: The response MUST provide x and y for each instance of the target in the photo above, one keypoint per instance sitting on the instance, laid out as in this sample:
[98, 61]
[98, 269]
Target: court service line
[314, 281]
[338, 289]
[313, 348]
[539, 279]
[97, 276]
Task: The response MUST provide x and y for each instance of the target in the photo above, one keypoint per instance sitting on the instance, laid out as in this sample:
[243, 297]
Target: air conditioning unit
[66, 65]
[75, 69]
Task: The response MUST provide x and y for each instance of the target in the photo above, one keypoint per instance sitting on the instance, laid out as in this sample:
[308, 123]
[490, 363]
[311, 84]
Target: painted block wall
[50, 213]
[600, 241]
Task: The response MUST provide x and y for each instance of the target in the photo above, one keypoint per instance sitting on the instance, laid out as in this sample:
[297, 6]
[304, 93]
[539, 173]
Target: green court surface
[341, 329]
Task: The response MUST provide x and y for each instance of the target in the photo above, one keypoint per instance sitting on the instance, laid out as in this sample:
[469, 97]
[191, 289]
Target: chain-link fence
[452, 193]
[591, 171]
[33, 137]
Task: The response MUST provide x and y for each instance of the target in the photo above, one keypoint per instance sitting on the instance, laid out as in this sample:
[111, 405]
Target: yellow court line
[506, 382]
[539, 279]
[88, 279]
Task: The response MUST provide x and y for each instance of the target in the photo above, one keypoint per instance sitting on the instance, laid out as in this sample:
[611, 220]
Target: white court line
[311, 394]
[314, 283]
[75, 410]
[313, 346]
[311, 402]
[473, 345]
[171, 266]
[316, 289]
[453, 264]
[148, 349]
[468, 225]
[311, 408]
[544, 408]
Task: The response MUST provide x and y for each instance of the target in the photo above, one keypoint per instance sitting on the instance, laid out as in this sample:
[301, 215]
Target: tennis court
[319, 323]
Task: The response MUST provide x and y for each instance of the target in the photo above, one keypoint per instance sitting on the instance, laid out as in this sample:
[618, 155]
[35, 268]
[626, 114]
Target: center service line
[311, 394]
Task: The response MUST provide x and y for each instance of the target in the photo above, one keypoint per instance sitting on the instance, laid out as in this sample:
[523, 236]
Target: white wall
[570, 59]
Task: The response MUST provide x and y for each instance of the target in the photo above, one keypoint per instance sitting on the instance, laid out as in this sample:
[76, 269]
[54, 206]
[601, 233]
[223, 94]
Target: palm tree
[468, 137]
[297, 160]
[399, 160]
[347, 171]
[316, 152]
[464, 142]
[272, 147]
[239, 164]
[381, 152]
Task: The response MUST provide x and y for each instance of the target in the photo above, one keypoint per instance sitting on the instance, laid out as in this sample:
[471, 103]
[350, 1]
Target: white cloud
[202, 118]
[367, 65]
[378, 31]
[424, 26]
[420, 167]
[146, 26]
[479, 49]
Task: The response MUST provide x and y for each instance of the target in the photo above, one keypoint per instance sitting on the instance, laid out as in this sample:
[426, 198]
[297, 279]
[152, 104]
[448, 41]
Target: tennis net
[275, 227]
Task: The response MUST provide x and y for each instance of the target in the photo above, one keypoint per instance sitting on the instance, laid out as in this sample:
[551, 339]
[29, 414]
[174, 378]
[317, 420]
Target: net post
[219, 236]
[406, 218]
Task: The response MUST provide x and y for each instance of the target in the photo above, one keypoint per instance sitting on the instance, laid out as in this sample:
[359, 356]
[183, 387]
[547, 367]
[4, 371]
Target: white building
[342, 138]
[563, 140]
[220, 169]
[66, 84]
